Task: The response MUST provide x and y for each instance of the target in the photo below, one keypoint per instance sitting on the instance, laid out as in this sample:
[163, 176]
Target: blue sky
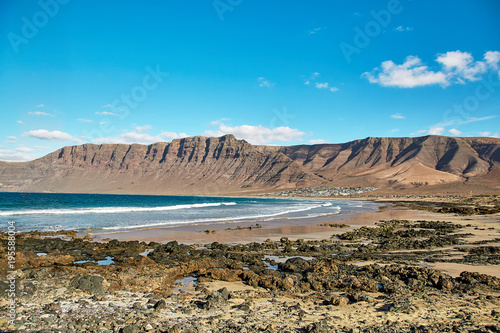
[271, 72]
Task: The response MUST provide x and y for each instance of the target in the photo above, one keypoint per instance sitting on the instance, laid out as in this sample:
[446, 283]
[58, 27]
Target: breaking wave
[111, 210]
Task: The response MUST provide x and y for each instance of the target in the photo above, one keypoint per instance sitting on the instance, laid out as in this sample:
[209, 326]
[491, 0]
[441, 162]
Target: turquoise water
[56, 211]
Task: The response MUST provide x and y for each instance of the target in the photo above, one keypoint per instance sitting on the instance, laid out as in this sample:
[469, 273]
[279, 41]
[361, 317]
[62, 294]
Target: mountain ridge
[225, 165]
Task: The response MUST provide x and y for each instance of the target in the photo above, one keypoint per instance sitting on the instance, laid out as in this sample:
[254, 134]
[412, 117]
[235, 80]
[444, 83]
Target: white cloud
[325, 85]
[20, 122]
[317, 141]
[475, 119]
[41, 147]
[419, 132]
[401, 28]
[320, 85]
[24, 149]
[394, 130]
[107, 106]
[462, 65]
[465, 121]
[455, 59]
[106, 113]
[263, 82]
[40, 106]
[85, 120]
[44, 134]
[218, 122]
[397, 116]
[489, 134]
[15, 156]
[456, 67]
[436, 130]
[130, 137]
[173, 135]
[493, 59]
[412, 73]
[258, 134]
[13, 138]
[39, 113]
[314, 31]
[144, 128]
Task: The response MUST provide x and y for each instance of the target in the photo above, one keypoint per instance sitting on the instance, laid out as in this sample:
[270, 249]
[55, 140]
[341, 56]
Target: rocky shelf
[369, 279]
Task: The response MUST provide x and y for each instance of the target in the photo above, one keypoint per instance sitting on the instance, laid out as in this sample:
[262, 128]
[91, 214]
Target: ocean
[109, 213]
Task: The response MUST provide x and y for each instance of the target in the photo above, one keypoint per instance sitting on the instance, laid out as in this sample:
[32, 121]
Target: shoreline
[283, 213]
[293, 228]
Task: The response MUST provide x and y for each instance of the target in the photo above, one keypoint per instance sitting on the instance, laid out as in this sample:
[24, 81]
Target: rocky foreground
[369, 279]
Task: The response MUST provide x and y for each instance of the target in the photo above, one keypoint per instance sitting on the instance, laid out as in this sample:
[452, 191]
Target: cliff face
[212, 166]
[196, 165]
[428, 160]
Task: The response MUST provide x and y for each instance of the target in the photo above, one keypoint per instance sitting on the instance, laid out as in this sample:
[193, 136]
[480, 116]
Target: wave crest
[111, 210]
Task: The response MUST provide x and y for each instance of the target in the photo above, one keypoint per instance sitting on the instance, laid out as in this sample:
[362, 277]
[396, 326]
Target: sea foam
[111, 210]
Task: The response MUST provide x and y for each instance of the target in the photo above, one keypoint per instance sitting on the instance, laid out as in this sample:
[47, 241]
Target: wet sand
[308, 229]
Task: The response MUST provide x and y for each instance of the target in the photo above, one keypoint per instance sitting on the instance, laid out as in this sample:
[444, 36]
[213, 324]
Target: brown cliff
[225, 165]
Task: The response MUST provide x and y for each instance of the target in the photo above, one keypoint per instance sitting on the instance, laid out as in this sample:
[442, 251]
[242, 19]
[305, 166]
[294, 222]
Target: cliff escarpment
[214, 166]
